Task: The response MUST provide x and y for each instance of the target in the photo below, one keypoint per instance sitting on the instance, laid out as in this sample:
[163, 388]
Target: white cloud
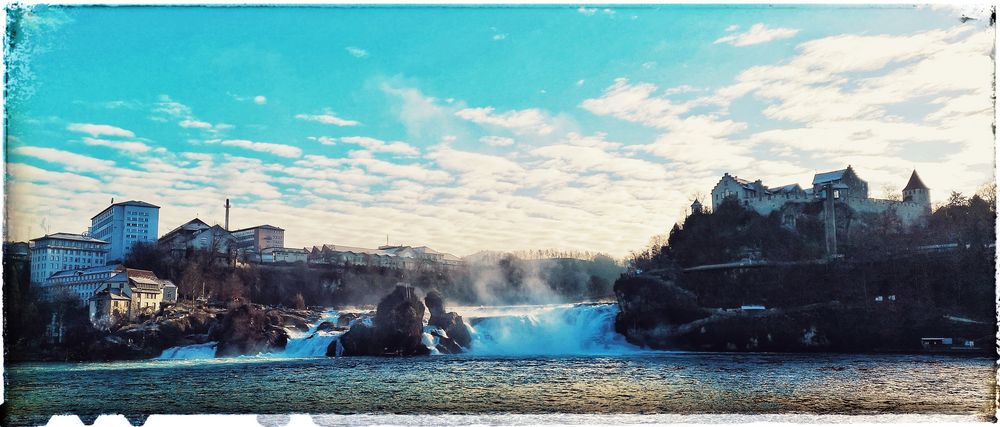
[72, 161]
[498, 37]
[496, 141]
[758, 33]
[96, 130]
[587, 11]
[356, 52]
[127, 146]
[260, 100]
[188, 123]
[377, 145]
[263, 147]
[325, 140]
[530, 120]
[328, 119]
[732, 28]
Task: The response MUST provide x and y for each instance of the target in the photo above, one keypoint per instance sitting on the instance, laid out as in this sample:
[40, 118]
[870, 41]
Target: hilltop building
[198, 235]
[123, 224]
[255, 239]
[403, 257]
[65, 251]
[284, 255]
[846, 186]
[16, 251]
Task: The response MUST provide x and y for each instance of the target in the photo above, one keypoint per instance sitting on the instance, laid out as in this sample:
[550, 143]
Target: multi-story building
[123, 225]
[402, 257]
[81, 282]
[284, 255]
[255, 239]
[65, 251]
[198, 235]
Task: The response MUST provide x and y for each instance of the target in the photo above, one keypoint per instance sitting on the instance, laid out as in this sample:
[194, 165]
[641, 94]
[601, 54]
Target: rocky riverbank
[239, 329]
[658, 311]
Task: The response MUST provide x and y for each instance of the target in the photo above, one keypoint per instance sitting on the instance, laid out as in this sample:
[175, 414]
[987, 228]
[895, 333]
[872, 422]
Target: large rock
[457, 336]
[397, 329]
[249, 330]
[651, 307]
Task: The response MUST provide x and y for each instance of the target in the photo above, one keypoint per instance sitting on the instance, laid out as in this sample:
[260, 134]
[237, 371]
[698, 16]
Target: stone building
[198, 235]
[847, 187]
[128, 294]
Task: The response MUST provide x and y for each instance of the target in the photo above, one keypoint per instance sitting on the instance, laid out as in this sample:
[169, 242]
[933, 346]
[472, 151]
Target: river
[526, 360]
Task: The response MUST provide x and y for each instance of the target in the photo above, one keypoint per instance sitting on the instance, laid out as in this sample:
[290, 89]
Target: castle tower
[916, 192]
[696, 207]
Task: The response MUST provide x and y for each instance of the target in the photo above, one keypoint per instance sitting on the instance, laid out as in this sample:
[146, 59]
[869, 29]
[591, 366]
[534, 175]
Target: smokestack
[227, 214]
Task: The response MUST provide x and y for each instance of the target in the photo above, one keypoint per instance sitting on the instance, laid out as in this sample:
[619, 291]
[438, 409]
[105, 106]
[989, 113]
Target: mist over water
[547, 330]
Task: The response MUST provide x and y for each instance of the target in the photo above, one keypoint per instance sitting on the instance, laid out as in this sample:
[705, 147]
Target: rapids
[522, 330]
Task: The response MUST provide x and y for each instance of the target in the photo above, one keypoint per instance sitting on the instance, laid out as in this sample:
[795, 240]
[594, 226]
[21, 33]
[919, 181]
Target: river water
[525, 360]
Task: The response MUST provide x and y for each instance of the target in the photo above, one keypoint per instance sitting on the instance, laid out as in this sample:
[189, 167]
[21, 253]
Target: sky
[480, 128]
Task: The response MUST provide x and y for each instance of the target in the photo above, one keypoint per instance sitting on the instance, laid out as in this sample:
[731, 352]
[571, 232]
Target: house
[198, 235]
[124, 224]
[169, 292]
[141, 289]
[65, 251]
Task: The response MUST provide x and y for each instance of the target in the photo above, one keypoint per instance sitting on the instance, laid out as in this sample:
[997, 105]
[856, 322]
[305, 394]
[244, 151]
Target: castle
[847, 187]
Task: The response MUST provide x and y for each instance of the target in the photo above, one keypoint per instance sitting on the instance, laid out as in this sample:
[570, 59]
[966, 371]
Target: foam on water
[196, 351]
[582, 329]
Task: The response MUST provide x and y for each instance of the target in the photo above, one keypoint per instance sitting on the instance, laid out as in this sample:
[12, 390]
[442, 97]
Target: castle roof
[824, 177]
[915, 183]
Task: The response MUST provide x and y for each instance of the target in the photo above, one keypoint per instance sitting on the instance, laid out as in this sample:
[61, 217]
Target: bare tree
[891, 192]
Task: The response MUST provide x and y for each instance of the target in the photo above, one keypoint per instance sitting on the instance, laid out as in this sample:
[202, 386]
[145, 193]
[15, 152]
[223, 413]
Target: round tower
[916, 192]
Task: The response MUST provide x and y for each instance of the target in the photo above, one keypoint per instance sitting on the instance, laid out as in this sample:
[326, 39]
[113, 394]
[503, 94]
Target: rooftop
[268, 226]
[915, 183]
[69, 236]
[138, 203]
[91, 270]
[828, 176]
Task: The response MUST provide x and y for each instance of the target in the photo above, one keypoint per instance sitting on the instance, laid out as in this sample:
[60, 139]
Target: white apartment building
[65, 251]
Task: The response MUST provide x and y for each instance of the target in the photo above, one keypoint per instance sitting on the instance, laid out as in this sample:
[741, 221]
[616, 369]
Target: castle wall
[909, 213]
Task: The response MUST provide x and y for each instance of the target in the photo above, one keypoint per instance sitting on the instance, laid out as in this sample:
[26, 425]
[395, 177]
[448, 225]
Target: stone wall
[909, 213]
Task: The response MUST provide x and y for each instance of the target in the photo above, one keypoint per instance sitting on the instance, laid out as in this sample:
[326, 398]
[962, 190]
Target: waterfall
[196, 351]
[527, 330]
[581, 329]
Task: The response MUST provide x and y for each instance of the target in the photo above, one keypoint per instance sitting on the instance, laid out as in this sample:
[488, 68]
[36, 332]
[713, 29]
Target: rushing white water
[196, 351]
[524, 330]
[583, 329]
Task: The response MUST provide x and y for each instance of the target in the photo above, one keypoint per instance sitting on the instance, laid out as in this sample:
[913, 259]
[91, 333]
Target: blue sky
[469, 128]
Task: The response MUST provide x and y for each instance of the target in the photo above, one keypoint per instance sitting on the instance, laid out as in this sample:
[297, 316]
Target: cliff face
[842, 306]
